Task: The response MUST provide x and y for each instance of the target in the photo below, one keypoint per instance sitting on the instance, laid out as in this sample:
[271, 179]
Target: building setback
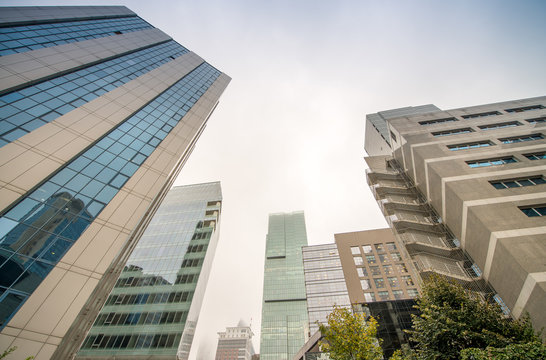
[235, 343]
[99, 111]
[153, 309]
[284, 308]
[464, 191]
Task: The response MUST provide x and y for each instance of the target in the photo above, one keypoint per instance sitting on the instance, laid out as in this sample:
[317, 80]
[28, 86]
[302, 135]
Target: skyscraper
[464, 191]
[153, 309]
[284, 307]
[99, 111]
[235, 343]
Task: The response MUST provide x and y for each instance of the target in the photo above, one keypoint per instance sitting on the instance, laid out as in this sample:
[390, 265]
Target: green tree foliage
[453, 319]
[529, 351]
[349, 336]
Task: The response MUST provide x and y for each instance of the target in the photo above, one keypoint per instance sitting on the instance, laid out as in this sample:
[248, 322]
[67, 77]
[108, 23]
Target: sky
[288, 133]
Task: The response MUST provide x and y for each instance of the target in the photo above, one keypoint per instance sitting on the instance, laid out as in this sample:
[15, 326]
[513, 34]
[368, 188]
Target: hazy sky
[288, 133]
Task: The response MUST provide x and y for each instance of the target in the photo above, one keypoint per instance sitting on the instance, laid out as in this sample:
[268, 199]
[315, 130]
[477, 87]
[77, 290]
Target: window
[367, 249]
[413, 292]
[537, 120]
[365, 283]
[379, 248]
[371, 259]
[521, 138]
[379, 283]
[358, 260]
[388, 269]
[489, 113]
[452, 132]
[402, 268]
[393, 136]
[437, 121]
[536, 156]
[375, 270]
[534, 210]
[362, 272]
[514, 183]
[384, 258]
[491, 162]
[383, 295]
[500, 125]
[369, 296]
[406, 279]
[398, 294]
[393, 281]
[470, 145]
[524, 108]
[355, 250]
[391, 246]
[501, 303]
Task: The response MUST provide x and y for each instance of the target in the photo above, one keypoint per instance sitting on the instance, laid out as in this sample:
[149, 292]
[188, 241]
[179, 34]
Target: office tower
[153, 309]
[324, 283]
[235, 343]
[99, 111]
[464, 191]
[284, 308]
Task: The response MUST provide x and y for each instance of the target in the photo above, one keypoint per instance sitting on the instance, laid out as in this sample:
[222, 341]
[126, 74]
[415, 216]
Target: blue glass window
[39, 230]
[25, 110]
[491, 162]
[536, 156]
[23, 38]
[516, 139]
[519, 182]
[437, 121]
[470, 145]
[535, 210]
[500, 125]
[452, 132]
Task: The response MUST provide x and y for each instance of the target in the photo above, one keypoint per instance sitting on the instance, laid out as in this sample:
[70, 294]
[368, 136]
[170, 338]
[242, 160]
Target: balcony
[428, 264]
[383, 188]
[392, 202]
[404, 220]
[374, 175]
[434, 243]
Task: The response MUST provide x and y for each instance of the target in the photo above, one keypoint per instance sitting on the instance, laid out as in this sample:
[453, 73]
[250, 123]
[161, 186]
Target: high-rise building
[464, 191]
[284, 308]
[153, 309]
[235, 343]
[99, 111]
[324, 283]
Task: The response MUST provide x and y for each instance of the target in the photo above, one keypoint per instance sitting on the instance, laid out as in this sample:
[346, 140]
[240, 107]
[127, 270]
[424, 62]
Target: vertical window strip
[27, 109]
[17, 39]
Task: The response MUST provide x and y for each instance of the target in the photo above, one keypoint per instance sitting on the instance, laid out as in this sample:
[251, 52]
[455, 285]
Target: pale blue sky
[289, 130]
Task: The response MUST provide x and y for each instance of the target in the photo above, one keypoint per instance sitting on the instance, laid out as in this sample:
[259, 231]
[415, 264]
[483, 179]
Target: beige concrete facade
[376, 266]
[441, 190]
[81, 280]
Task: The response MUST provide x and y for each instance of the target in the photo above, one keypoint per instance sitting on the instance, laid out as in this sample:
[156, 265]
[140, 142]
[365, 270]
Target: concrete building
[464, 191]
[235, 343]
[152, 311]
[284, 308]
[99, 111]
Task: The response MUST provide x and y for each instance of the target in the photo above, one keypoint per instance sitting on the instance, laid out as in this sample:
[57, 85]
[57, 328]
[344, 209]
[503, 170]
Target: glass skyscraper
[153, 308]
[99, 111]
[285, 324]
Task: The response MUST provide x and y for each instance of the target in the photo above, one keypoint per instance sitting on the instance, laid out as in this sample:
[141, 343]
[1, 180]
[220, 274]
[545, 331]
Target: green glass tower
[284, 308]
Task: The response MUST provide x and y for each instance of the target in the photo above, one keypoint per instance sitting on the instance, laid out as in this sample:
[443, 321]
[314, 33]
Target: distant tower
[284, 310]
[235, 343]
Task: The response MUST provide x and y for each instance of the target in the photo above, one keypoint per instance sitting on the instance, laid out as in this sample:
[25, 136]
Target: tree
[349, 336]
[453, 319]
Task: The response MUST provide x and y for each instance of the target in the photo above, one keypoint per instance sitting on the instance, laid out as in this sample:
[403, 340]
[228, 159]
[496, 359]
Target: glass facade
[284, 308]
[324, 282]
[152, 307]
[24, 110]
[17, 39]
